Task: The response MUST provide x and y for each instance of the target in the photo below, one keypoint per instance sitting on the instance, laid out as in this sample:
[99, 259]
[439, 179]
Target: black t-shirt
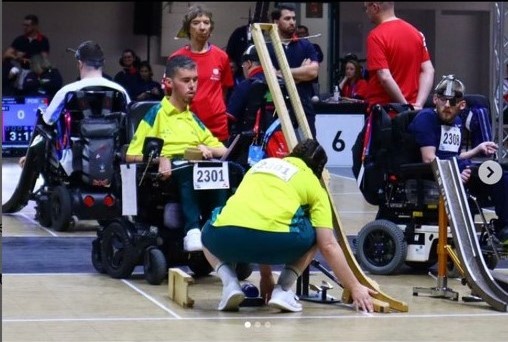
[31, 46]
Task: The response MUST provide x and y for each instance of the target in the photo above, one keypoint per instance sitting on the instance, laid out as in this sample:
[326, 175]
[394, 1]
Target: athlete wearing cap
[90, 60]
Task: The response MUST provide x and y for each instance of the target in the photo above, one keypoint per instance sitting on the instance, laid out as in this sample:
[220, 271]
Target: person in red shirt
[353, 86]
[398, 62]
[215, 76]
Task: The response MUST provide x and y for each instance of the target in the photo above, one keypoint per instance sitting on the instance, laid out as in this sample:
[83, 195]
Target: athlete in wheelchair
[178, 181]
[76, 146]
[395, 179]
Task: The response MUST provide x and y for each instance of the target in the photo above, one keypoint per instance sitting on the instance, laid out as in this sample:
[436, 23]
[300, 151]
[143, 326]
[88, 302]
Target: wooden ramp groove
[383, 302]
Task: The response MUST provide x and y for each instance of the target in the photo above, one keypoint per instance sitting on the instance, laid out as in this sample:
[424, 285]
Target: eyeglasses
[452, 100]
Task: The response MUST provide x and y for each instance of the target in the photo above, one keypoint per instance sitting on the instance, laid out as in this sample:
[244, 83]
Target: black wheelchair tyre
[381, 247]
[43, 213]
[490, 260]
[118, 254]
[60, 209]
[243, 270]
[96, 256]
[199, 265]
[154, 266]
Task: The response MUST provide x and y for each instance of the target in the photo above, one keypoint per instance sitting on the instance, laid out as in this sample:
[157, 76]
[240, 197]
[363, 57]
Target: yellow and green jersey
[180, 130]
[276, 195]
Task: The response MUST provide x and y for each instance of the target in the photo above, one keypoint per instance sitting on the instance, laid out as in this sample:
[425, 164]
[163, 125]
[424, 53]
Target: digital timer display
[19, 116]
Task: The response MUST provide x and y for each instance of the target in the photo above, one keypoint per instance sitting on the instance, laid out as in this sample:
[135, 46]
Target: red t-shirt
[398, 46]
[214, 74]
[356, 90]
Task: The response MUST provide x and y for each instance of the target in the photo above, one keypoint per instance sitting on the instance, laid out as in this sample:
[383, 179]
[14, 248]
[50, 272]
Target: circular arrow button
[490, 172]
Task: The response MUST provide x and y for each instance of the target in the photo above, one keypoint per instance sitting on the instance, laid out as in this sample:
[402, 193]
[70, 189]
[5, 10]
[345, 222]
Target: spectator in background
[353, 86]
[398, 62]
[43, 79]
[128, 77]
[241, 37]
[215, 76]
[31, 42]
[146, 88]
[301, 56]
[16, 58]
[302, 32]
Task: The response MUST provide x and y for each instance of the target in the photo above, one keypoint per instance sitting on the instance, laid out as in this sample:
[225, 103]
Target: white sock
[288, 277]
[226, 273]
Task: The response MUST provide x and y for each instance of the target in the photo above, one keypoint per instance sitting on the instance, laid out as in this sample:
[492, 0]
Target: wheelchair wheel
[96, 256]
[199, 265]
[381, 247]
[490, 260]
[155, 266]
[118, 254]
[43, 213]
[61, 209]
[243, 270]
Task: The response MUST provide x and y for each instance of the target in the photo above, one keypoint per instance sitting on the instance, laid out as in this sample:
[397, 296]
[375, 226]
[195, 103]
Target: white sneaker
[284, 300]
[192, 241]
[232, 297]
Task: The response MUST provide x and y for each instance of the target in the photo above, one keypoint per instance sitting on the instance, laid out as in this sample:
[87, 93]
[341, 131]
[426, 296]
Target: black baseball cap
[90, 53]
[250, 54]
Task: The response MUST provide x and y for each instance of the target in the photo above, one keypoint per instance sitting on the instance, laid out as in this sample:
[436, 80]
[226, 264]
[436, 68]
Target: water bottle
[336, 94]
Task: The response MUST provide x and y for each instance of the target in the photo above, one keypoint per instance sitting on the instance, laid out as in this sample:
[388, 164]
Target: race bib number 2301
[212, 176]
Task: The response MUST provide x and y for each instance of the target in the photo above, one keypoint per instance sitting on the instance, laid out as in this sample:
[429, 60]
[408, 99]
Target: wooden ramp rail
[382, 300]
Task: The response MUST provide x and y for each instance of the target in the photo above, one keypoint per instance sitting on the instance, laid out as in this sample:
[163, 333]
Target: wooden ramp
[383, 302]
[477, 274]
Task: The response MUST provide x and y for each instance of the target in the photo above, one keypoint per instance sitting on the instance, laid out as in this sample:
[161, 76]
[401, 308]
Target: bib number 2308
[213, 176]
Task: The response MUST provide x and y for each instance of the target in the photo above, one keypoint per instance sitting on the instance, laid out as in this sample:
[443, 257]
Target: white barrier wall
[337, 133]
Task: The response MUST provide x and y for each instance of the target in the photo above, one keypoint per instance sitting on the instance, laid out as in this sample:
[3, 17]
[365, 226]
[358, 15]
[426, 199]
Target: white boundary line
[272, 317]
[150, 298]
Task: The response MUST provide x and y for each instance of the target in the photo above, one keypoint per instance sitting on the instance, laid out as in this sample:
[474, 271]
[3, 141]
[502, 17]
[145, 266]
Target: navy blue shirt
[429, 130]
[296, 52]
[240, 96]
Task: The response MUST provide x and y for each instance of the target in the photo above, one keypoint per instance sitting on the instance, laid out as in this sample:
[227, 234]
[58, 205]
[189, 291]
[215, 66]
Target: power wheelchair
[392, 177]
[153, 237]
[78, 158]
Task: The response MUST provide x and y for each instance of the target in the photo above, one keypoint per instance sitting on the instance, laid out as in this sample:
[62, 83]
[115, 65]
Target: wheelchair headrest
[137, 111]
[477, 100]
[96, 101]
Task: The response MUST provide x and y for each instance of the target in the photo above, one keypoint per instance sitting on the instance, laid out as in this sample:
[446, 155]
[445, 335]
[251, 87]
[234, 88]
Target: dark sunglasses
[453, 100]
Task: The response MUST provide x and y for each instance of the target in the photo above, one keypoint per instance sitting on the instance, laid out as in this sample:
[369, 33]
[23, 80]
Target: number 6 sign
[337, 134]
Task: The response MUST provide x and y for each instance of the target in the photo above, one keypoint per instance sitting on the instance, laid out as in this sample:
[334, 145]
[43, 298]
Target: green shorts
[238, 244]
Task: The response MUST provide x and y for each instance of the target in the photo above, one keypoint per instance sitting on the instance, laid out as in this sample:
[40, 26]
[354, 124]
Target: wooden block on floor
[178, 287]
[379, 305]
